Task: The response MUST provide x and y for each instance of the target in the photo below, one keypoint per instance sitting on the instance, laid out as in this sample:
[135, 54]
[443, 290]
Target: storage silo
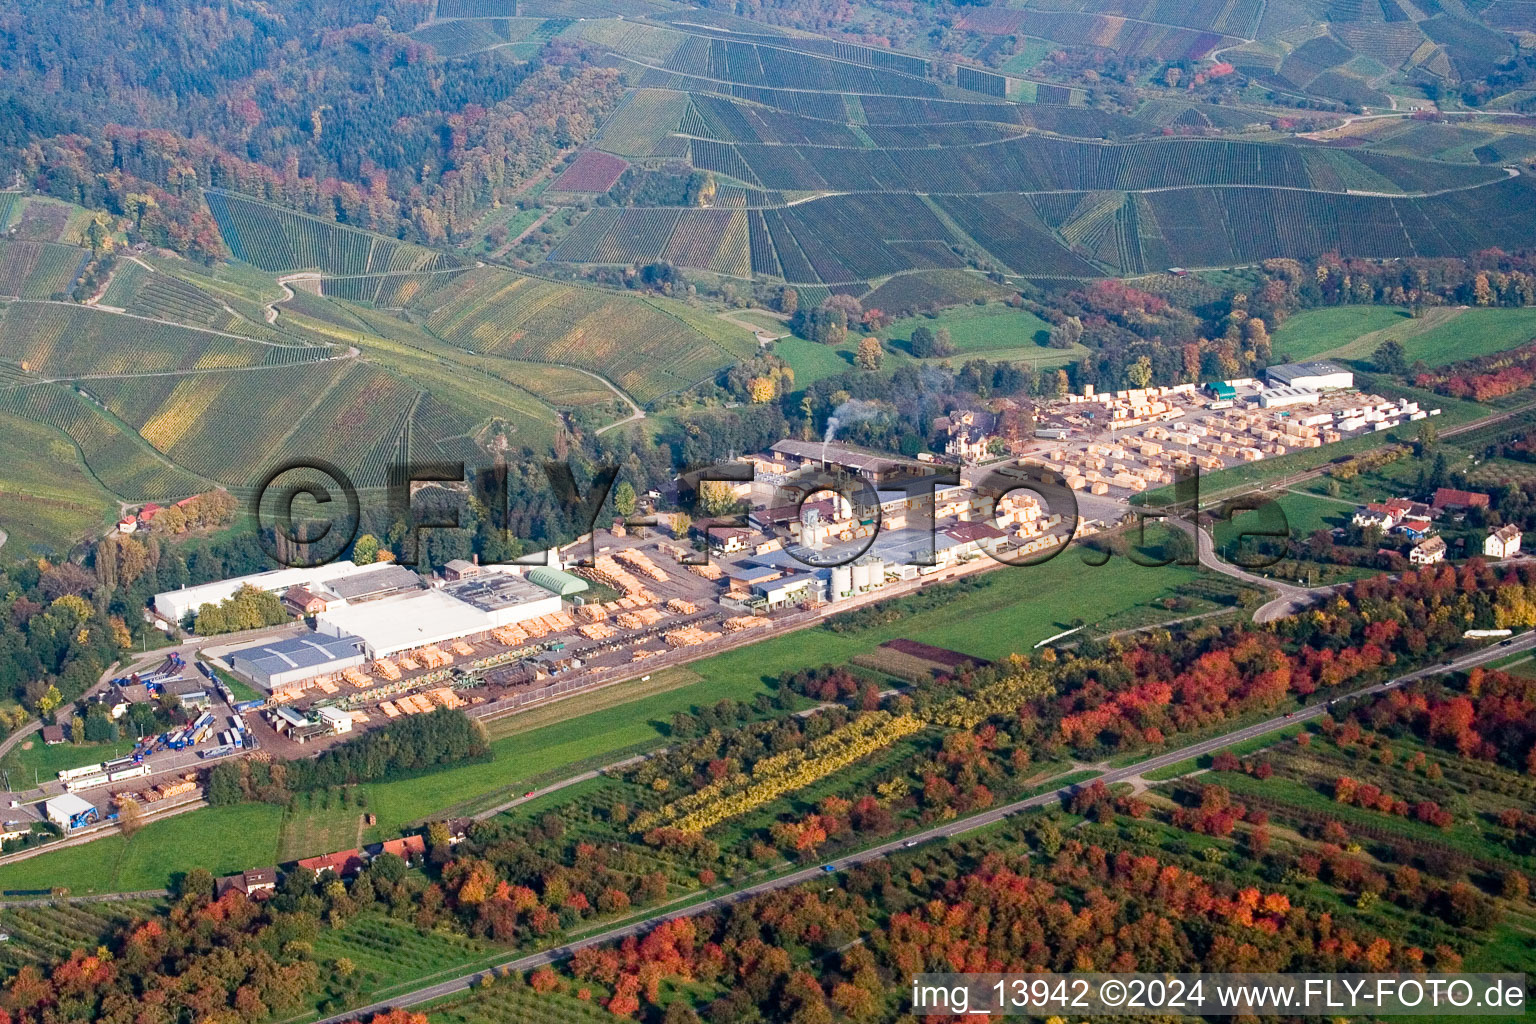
[842, 581]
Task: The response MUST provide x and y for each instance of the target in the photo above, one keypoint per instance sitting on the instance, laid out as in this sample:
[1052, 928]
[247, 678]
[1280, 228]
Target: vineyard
[60, 340]
[1040, 163]
[389, 291]
[457, 38]
[591, 171]
[387, 952]
[279, 240]
[39, 270]
[476, 9]
[644, 118]
[120, 459]
[647, 352]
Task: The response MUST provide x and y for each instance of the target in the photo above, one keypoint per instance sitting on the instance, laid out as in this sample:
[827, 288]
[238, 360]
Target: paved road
[1288, 598]
[1525, 642]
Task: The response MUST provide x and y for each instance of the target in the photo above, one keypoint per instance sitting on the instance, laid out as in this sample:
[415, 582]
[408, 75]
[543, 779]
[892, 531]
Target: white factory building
[1279, 398]
[1313, 376]
[465, 608]
[175, 605]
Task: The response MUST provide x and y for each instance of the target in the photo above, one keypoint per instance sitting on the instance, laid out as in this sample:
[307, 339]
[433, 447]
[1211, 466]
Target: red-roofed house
[1450, 497]
[408, 848]
[147, 513]
[303, 601]
[344, 863]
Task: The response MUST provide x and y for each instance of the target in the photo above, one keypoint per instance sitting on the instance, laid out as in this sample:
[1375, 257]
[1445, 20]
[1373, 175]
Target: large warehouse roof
[299, 652]
[382, 579]
[174, 604]
[491, 592]
[400, 623]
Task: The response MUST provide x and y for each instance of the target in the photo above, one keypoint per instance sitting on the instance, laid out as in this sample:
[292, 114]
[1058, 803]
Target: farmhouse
[1503, 542]
[344, 863]
[1451, 498]
[302, 601]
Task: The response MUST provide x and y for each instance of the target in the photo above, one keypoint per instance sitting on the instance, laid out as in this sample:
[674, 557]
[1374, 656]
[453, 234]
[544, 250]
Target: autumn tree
[870, 354]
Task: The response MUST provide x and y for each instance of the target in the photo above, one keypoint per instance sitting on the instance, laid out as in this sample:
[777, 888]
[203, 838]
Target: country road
[464, 982]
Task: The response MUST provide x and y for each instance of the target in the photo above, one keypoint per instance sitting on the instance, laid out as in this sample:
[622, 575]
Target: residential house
[408, 848]
[53, 734]
[1428, 552]
[1503, 542]
[255, 883]
[344, 863]
[969, 434]
[303, 602]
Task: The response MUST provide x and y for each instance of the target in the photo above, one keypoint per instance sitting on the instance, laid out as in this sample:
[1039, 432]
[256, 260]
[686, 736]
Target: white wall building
[176, 604]
[1503, 542]
[1318, 376]
[397, 624]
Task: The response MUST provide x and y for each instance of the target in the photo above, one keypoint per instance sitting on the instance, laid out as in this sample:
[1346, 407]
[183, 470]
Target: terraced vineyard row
[279, 240]
[645, 118]
[456, 38]
[39, 270]
[1038, 163]
[59, 340]
[776, 67]
[390, 291]
[645, 351]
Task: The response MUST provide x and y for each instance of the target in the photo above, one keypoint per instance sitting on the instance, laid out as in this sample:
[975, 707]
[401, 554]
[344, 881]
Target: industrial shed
[1316, 376]
[557, 582]
[281, 663]
[175, 605]
[381, 581]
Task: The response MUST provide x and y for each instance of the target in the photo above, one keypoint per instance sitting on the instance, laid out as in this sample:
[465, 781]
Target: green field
[1304, 515]
[1439, 336]
[48, 499]
[813, 361]
[1010, 610]
[1317, 332]
[994, 330]
[32, 760]
[223, 840]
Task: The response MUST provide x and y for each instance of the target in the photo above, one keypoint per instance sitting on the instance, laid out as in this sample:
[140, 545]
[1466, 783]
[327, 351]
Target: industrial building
[1317, 376]
[176, 605]
[476, 604]
[505, 598]
[1279, 398]
[375, 582]
[276, 665]
[68, 811]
